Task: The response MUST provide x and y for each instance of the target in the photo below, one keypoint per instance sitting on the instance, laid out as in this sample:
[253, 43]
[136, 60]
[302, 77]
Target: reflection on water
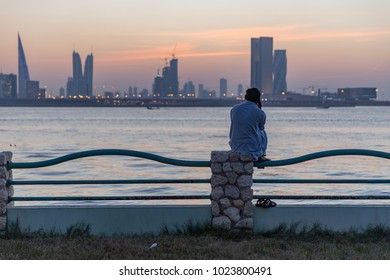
[35, 134]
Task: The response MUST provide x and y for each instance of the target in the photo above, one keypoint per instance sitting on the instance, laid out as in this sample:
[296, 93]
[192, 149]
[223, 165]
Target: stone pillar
[5, 190]
[231, 190]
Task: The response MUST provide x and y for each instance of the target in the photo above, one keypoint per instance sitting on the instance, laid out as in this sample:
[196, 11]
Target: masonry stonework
[231, 190]
[5, 190]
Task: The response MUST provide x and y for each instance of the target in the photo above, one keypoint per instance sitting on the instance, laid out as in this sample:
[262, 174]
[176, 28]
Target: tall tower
[77, 75]
[88, 75]
[262, 63]
[170, 80]
[280, 72]
[24, 76]
[223, 88]
[82, 84]
[174, 79]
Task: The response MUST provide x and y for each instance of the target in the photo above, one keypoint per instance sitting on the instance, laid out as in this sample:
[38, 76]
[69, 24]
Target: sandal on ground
[265, 203]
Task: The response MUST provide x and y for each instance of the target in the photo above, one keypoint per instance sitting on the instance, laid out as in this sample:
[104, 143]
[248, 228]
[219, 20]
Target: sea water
[36, 134]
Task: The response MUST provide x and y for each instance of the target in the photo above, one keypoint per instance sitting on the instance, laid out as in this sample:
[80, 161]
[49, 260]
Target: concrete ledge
[333, 217]
[108, 220]
[152, 219]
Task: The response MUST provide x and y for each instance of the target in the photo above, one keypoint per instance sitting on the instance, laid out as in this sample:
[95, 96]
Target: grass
[200, 242]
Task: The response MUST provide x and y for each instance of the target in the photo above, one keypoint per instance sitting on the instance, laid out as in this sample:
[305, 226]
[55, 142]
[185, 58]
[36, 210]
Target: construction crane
[174, 51]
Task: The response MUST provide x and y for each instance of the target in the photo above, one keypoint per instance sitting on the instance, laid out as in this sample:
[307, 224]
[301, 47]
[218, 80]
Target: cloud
[184, 51]
[232, 41]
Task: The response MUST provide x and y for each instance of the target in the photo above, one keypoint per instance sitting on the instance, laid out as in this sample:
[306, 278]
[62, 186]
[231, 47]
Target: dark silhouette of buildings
[81, 84]
[280, 72]
[32, 89]
[360, 93]
[8, 86]
[167, 84]
[188, 90]
[262, 64]
[240, 90]
[223, 91]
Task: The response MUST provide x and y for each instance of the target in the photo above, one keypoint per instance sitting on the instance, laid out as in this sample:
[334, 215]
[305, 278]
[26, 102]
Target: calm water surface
[35, 134]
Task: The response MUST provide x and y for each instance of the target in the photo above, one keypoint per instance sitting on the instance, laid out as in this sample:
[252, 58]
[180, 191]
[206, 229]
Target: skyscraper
[174, 79]
[32, 89]
[169, 79]
[158, 88]
[8, 86]
[23, 74]
[223, 88]
[280, 72]
[82, 84]
[240, 90]
[88, 75]
[262, 63]
[77, 75]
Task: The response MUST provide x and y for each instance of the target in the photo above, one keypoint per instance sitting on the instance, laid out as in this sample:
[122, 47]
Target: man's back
[246, 121]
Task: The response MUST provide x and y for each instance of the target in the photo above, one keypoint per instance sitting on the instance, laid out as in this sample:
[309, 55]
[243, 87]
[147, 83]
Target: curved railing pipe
[323, 154]
[191, 163]
[107, 152]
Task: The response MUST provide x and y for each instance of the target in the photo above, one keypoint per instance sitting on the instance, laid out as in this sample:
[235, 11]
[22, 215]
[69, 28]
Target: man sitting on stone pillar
[247, 132]
[247, 124]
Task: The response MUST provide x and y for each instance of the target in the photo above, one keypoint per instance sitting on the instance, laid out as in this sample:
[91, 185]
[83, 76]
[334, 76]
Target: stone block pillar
[231, 190]
[5, 190]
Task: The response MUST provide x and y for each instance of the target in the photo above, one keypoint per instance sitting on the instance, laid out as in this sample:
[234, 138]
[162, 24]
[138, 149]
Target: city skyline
[329, 44]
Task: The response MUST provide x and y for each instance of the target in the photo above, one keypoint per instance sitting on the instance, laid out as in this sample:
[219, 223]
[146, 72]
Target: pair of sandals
[265, 203]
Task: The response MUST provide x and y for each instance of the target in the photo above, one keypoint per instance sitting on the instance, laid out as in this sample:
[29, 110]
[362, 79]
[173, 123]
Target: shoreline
[151, 103]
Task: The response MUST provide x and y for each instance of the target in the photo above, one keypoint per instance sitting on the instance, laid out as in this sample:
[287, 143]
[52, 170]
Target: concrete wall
[108, 220]
[152, 219]
[334, 217]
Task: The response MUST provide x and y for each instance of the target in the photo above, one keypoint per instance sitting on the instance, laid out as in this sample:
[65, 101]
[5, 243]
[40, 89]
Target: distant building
[360, 93]
[32, 90]
[88, 75]
[144, 93]
[135, 92]
[131, 93]
[82, 84]
[223, 92]
[201, 91]
[240, 91]
[62, 92]
[189, 90]
[8, 86]
[69, 87]
[211, 94]
[158, 87]
[167, 84]
[23, 72]
[280, 72]
[41, 94]
[174, 76]
[109, 95]
[205, 93]
[262, 64]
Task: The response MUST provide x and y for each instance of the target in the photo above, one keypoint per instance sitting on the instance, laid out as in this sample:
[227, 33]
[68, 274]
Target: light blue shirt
[247, 122]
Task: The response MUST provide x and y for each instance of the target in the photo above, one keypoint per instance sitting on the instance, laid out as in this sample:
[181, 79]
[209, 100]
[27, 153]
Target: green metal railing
[188, 163]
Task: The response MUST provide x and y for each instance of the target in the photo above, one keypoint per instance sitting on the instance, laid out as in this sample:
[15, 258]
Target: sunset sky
[329, 43]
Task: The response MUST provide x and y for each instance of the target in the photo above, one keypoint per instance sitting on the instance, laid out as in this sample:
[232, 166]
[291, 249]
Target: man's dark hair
[253, 94]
